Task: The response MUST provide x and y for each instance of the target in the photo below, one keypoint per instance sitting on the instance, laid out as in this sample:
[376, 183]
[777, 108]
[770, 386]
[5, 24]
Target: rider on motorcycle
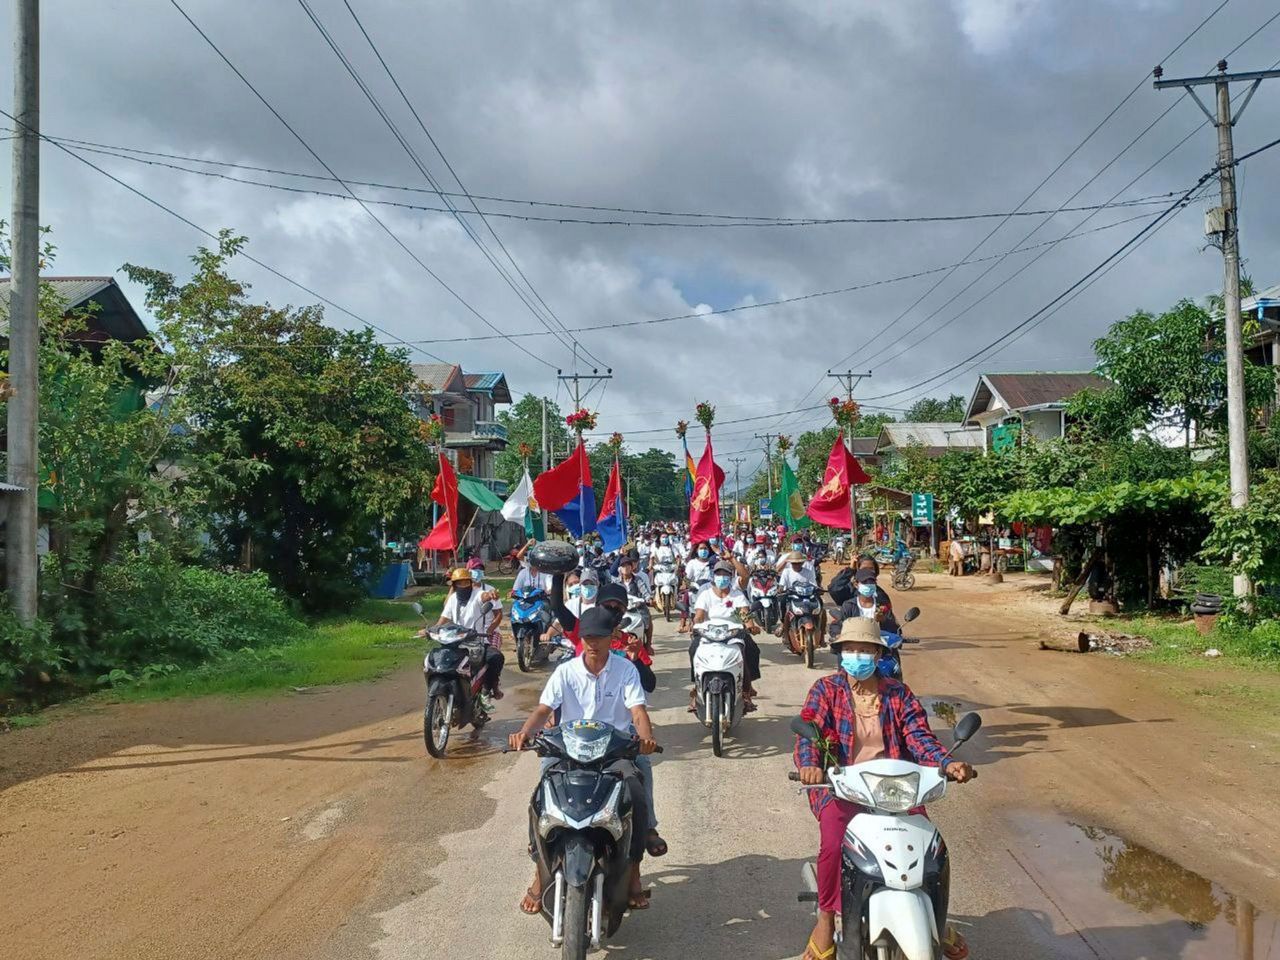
[481, 611]
[863, 717]
[760, 555]
[604, 687]
[724, 598]
[637, 586]
[697, 573]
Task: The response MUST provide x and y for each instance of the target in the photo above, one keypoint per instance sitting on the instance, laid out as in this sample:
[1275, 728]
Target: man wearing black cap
[724, 598]
[867, 602]
[598, 686]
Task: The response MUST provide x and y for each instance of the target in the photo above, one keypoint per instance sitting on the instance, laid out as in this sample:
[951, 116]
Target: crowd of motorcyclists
[596, 622]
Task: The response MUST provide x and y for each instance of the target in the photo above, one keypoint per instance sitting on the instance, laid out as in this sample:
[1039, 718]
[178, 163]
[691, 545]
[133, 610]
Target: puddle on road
[1129, 901]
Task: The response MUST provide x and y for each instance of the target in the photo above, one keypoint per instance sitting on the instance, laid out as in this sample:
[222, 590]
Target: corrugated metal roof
[441, 377]
[494, 384]
[864, 446]
[75, 290]
[1022, 390]
[115, 317]
[10, 487]
[1250, 304]
[932, 435]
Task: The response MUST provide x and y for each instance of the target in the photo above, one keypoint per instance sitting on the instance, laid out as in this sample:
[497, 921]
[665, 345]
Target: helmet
[459, 574]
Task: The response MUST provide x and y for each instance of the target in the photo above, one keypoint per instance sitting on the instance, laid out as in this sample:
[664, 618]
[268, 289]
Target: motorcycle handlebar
[794, 775]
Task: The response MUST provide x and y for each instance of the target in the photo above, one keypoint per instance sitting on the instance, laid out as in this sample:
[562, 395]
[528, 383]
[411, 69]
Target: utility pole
[768, 439]
[737, 483]
[575, 377]
[1224, 221]
[545, 451]
[21, 560]
[849, 380]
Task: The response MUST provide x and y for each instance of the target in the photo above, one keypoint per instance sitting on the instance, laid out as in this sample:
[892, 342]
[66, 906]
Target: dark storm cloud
[768, 108]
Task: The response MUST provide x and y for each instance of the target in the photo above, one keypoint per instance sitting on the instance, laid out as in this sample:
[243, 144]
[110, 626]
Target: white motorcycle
[718, 668]
[666, 583]
[896, 875]
[636, 620]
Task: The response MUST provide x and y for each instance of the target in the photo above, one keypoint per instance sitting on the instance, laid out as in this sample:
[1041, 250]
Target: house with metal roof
[1263, 347]
[110, 315]
[935, 439]
[1005, 405]
[467, 403]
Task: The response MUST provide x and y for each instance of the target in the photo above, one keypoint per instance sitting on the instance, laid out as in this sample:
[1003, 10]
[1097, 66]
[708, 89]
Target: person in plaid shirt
[863, 717]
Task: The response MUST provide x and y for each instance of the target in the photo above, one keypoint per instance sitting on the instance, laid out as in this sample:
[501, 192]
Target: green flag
[786, 503]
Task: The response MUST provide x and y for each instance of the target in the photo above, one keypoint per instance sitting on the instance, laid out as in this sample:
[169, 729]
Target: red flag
[444, 535]
[830, 503]
[563, 482]
[704, 504]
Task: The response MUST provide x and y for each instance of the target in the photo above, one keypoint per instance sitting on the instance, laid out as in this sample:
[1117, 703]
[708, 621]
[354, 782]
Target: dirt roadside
[266, 827]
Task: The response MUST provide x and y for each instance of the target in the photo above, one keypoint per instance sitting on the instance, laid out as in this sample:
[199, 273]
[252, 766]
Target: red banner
[704, 503]
[444, 535]
[830, 503]
[563, 482]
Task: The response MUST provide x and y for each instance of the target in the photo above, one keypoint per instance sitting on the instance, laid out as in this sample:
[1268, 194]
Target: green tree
[308, 430]
[655, 486]
[524, 425]
[933, 410]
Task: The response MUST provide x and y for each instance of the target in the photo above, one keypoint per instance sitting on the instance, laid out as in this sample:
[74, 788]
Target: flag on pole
[689, 470]
[566, 491]
[444, 535]
[522, 507]
[787, 505]
[830, 504]
[612, 525]
[704, 503]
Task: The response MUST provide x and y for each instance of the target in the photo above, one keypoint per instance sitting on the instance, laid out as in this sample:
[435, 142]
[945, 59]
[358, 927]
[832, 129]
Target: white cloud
[993, 25]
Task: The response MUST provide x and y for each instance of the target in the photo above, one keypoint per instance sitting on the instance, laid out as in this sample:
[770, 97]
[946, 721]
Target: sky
[769, 109]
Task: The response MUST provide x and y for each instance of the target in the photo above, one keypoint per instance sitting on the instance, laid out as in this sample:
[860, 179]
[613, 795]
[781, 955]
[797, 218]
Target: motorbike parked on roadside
[455, 674]
[762, 592]
[530, 618]
[804, 620]
[718, 670]
[580, 825]
[895, 870]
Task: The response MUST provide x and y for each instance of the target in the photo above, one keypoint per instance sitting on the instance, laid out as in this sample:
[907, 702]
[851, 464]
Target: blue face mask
[589, 592]
[858, 665]
[703, 553]
[867, 589]
[574, 590]
[721, 581]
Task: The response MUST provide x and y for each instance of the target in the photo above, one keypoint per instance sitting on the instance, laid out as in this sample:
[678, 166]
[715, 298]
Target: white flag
[519, 501]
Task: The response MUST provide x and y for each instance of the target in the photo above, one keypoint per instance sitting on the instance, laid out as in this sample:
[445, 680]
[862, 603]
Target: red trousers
[832, 822]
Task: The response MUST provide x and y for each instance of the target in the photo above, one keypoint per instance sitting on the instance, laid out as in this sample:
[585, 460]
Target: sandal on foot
[749, 707]
[532, 903]
[654, 845]
[811, 952]
[638, 901]
[954, 946]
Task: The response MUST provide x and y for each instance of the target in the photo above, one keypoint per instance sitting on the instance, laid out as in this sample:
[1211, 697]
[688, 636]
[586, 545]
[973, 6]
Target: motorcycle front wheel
[808, 647]
[576, 938]
[666, 607]
[436, 721]
[524, 650]
[715, 702]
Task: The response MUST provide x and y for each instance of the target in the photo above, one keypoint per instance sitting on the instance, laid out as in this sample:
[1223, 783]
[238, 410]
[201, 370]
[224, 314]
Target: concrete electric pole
[22, 562]
[737, 483]
[768, 439]
[1223, 221]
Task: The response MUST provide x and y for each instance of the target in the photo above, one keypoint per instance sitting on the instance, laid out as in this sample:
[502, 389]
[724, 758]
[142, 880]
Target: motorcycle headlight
[893, 794]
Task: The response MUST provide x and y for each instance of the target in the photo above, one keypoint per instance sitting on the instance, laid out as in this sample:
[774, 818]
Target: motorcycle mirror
[417, 608]
[833, 629]
[911, 615]
[805, 729]
[966, 727]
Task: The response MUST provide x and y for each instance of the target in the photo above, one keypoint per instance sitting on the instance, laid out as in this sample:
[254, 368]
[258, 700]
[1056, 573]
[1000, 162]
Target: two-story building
[467, 403]
[1005, 405]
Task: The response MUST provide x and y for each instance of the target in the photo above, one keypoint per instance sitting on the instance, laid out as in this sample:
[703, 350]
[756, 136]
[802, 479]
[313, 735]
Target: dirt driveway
[1111, 819]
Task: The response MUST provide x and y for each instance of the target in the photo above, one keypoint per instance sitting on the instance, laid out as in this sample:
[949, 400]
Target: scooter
[895, 871]
[839, 550]
[903, 578]
[762, 591]
[580, 833]
[530, 617]
[637, 621]
[890, 665]
[665, 584]
[804, 635]
[718, 668]
[454, 672]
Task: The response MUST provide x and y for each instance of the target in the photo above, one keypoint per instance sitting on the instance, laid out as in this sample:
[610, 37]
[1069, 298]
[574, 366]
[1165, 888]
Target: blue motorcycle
[890, 665]
[530, 617]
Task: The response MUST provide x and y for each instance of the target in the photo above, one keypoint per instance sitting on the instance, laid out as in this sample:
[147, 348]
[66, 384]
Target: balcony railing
[479, 433]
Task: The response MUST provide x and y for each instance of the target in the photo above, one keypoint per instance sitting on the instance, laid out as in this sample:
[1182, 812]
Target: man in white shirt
[723, 599]
[760, 555]
[795, 568]
[472, 607]
[598, 686]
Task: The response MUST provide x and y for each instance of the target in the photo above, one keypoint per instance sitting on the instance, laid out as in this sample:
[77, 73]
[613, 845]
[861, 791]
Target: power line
[387, 230]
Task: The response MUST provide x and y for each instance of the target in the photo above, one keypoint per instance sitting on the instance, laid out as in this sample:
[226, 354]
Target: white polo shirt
[721, 607]
[475, 614]
[790, 577]
[608, 696]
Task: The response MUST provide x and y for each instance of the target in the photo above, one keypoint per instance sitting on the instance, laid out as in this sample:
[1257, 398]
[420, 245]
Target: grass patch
[1176, 639]
[363, 644]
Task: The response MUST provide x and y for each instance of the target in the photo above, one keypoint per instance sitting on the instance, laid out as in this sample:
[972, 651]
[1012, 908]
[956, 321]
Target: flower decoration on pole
[615, 441]
[581, 420]
[526, 451]
[784, 444]
[845, 412]
[431, 430]
[705, 414]
[682, 428]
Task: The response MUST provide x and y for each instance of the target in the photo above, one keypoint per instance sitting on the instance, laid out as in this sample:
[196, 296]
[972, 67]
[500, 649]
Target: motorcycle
[637, 621]
[762, 591]
[804, 635]
[530, 618]
[903, 578]
[840, 550]
[580, 833]
[718, 668]
[665, 584]
[895, 870]
[890, 665]
[455, 673]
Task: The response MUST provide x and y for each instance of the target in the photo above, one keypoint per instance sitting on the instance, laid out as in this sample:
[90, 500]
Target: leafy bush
[1193, 579]
[27, 654]
[155, 612]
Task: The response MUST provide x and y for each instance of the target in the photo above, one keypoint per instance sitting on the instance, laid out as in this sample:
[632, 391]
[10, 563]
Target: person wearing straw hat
[472, 607]
[863, 716]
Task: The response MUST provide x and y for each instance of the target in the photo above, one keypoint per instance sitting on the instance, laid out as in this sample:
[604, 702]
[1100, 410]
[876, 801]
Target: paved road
[314, 826]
